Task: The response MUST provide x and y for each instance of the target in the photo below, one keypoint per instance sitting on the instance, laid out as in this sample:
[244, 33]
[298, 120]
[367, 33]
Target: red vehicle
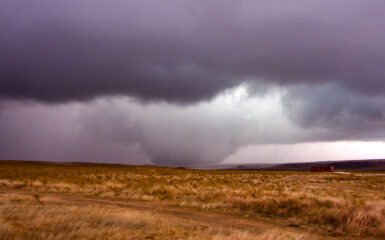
[322, 169]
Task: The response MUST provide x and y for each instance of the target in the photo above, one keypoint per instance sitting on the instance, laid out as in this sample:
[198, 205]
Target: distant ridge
[347, 165]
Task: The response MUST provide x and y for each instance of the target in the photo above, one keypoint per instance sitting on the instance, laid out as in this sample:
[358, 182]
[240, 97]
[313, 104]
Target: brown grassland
[100, 201]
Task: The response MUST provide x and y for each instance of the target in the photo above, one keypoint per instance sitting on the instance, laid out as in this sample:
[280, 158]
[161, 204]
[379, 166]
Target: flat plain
[105, 201]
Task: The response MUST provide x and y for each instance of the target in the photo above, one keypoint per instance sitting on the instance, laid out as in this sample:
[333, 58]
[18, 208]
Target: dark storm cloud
[186, 51]
[315, 71]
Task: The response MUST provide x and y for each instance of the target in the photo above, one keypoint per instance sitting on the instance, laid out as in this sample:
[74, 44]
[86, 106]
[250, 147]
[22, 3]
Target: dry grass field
[100, 201]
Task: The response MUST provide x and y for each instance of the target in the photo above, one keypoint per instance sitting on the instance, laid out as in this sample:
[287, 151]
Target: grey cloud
[123, 130]
[346, 114]
[55, 133]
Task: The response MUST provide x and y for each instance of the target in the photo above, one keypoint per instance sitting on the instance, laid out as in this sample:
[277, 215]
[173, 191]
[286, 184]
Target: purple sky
[191, 82]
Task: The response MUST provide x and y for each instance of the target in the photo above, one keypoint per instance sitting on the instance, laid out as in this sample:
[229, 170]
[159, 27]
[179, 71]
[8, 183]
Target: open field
[98, 201]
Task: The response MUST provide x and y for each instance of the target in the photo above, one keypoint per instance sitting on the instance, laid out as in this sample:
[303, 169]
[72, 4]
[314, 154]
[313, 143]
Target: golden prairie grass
[335, 204]
[22, 218]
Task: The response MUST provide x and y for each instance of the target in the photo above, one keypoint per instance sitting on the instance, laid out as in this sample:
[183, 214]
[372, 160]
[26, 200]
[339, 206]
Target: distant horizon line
[211, 165]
